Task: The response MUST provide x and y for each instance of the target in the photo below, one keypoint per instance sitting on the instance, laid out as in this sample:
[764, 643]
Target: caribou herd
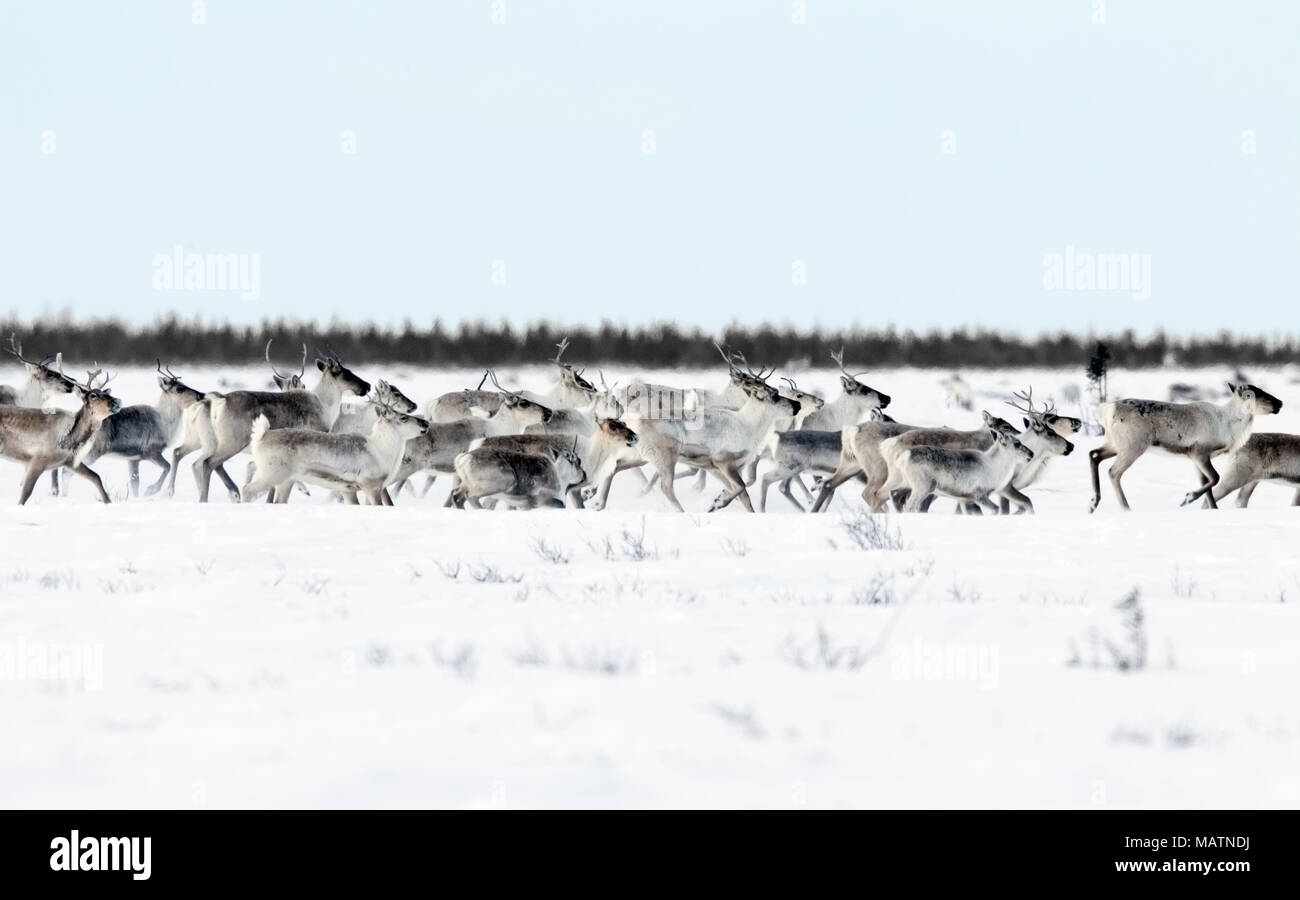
[564, 446]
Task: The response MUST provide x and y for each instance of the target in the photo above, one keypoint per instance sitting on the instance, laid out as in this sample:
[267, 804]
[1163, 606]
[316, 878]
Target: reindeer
[795, 452]
[359, 418]
[233, 415]
[945, 438]
[436, 450]
[525, 480]
[572, 390]
[144, 432]
[852, 407]
[1266, 456]
[719, 440]
[42, 383]
[599, 453]
[966, 475]
[47, 439]
[344, 462]
[1045, 433]
[861, 457]
[469, 403]
[1200, 431]
[808, 404]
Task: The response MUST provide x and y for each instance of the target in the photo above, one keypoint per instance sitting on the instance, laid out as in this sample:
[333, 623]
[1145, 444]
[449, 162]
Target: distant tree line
[660, 345]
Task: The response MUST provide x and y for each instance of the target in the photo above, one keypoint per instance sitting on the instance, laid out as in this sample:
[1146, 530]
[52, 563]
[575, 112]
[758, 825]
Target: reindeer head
[570, 376]
[855, 388]
[804, 399]
[515, 405]
[1062, 425]
[618, 431]
[386, 393]
[769, 396]
[406, 425]
[49, 380]
[97, 404]
[1011, 444]
[568, 466]
[171, 384]
[331, 367]
[1042, 438]
[1258, 401]
[879, 415]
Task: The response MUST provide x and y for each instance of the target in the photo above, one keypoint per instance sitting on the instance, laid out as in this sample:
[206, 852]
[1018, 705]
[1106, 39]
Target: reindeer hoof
[1189, 498]
[1092, 507]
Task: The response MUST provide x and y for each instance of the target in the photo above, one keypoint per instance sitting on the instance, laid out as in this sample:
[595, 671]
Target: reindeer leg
[159, 460]
[1010, 492]
[1096, 458]
[666, 487]
[177, 455]
[133, 477]
[785, 489]
[56, 482]
[428, 484]
[1207, 487]
[841, 475]
[87, 473]
[1117, 469]
[34, 471]
[803, 489]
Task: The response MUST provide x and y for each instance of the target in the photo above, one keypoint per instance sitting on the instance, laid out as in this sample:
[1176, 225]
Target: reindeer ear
[988, 419]
[320, 364]
[1028, 424]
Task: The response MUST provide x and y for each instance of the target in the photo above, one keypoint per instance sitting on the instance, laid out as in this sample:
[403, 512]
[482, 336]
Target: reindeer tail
[1104, 413]
[260, 427]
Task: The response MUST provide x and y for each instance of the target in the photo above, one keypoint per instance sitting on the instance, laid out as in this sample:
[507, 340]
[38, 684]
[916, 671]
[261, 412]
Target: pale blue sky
[774, 142]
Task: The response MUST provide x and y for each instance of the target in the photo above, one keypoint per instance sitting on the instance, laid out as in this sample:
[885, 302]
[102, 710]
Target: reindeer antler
[560, 348]
[1028, 397]
[493, 375]
[790, 381]
[838, 358]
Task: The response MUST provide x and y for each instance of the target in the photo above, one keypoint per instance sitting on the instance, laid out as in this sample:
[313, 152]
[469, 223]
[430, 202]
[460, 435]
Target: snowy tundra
[162, 653]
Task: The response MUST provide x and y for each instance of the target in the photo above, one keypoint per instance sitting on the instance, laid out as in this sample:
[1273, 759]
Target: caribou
[143, 432]
[344, 462]
[234, 413]
[47, 439]
[965, 474]
[853, 406]
[1199, 431]
[1266, 456]
[516, 479]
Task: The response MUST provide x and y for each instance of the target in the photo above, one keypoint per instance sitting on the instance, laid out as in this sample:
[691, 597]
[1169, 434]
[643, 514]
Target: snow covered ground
[157, 652]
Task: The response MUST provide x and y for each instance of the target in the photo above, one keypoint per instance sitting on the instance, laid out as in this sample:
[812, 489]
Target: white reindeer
[1199, 430]
[234, 413]
[964, 474]
[343, 462]
[1266, 456]
[853, 406]
[516, 479]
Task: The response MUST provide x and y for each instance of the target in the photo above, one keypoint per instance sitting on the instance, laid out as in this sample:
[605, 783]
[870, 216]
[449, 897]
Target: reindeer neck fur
[330, 395]
[598, 455]
[77, 440]
[386, 444]
[1001, 462]
[1237, 421]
